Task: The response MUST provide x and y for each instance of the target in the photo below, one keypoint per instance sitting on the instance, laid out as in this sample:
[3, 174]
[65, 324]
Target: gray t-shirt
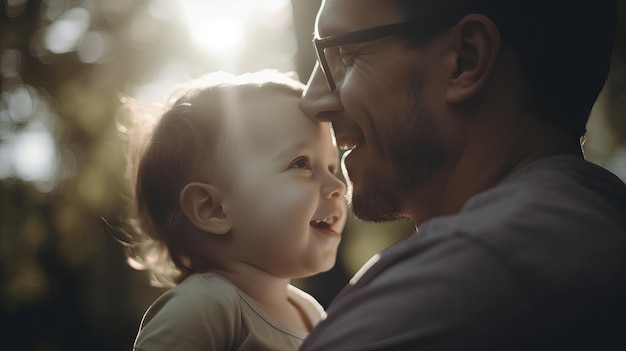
[535, 263]
[207, 312]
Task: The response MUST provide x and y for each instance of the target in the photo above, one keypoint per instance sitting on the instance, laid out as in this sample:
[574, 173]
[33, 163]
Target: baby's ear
[201, 204]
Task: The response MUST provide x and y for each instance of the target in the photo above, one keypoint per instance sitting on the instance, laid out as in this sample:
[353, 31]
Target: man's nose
[318, 102]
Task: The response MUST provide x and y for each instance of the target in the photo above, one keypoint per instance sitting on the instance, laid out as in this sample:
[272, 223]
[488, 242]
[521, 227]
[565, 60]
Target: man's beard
[416, 153]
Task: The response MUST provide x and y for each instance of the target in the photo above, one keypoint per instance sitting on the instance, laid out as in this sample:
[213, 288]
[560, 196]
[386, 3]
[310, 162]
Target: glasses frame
[358, 37]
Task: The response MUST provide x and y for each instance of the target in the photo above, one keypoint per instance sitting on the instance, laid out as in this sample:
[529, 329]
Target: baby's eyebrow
[293, 149]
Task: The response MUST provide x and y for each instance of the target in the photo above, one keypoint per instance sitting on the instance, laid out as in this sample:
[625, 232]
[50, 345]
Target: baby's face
[285, 203]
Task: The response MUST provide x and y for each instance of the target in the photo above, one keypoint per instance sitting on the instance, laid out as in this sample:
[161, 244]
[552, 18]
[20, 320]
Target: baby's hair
[169, 144]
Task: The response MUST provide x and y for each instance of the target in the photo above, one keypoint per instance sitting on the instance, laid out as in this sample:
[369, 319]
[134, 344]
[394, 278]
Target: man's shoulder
[565, 176]
[560, 200]
[553, 227]
[559, 190]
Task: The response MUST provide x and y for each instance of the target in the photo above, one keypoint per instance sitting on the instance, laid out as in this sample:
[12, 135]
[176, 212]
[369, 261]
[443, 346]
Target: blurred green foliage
[65, 284]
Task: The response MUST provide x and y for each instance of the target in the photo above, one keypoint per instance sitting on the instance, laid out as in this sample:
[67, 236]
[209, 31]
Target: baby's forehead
[268, 114]
[265, 122]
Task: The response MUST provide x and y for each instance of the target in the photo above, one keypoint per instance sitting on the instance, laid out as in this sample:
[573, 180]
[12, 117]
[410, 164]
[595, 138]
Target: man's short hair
[564, 47]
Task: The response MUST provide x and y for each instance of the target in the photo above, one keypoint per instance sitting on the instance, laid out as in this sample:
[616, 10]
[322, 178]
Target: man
[466, 116]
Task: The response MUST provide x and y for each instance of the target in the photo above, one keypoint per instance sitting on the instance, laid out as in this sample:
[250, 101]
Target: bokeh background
[64, 65]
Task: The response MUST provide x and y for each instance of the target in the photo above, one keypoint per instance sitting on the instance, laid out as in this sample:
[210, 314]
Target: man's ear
[476, 42]
[201, 204]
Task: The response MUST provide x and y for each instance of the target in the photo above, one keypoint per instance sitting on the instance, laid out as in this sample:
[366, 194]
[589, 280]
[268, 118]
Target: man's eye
[347, 57]
[301, 162]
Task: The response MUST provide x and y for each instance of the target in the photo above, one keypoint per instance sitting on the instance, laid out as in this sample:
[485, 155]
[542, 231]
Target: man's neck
[486, 160]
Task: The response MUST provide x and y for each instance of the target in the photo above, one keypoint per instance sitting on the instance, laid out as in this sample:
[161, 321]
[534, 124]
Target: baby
[236, 193]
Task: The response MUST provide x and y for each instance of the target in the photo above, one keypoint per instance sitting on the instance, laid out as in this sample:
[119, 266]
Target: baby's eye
[301, 162]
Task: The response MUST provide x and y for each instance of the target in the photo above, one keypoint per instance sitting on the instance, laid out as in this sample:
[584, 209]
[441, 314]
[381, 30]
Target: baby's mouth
[323, 223]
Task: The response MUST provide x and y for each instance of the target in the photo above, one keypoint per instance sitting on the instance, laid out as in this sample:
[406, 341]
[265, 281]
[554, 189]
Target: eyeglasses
[357, 37]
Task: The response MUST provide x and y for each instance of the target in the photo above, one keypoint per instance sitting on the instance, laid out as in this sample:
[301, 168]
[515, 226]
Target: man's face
[383, 109]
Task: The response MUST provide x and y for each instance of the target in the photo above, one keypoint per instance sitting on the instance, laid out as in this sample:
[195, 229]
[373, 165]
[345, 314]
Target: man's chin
[367, 206]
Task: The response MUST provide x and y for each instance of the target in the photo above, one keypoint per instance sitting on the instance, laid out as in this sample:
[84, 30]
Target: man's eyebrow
[329, 29]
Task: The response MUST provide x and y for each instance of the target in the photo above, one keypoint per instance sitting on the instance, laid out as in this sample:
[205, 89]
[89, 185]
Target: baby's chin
[321, 268]
[327, 266]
